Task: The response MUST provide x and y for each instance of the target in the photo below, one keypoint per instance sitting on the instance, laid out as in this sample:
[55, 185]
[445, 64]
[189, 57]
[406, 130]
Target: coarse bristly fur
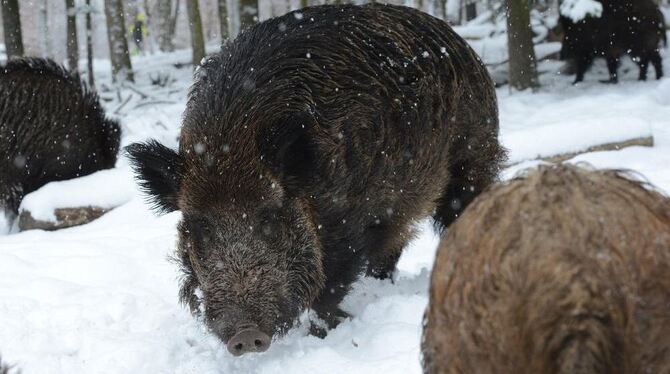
[633, 27]
[52, 128]
[310, 146]
[565, 270]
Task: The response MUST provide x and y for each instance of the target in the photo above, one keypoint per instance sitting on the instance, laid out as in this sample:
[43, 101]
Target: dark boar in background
[52, 128]
[564, 271]
[310, 146]
[636, 28]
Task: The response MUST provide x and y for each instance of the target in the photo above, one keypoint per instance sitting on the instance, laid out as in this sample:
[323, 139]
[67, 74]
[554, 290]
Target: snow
[577, 10]
[102, 297]
[104, 189]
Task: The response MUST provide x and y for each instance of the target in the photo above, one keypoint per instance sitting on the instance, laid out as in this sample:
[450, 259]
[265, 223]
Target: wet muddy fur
[563, 271]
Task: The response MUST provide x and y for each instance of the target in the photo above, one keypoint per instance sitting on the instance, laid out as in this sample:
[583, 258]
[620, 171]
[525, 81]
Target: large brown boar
[564, 271]
[309, 147]
[52, 128]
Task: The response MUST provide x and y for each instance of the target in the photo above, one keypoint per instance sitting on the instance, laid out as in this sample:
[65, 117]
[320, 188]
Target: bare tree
[470, 10]
[223, 19]
[248, 13]
[304, 3]
[165, 37]
[122, 70]
[441, 9]
[195, 24]
[11, 22]
[45, 37]
[89, 44]
[72, 44]
[522, 62]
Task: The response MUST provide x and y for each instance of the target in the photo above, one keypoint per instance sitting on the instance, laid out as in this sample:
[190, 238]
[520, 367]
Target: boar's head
[247, 245]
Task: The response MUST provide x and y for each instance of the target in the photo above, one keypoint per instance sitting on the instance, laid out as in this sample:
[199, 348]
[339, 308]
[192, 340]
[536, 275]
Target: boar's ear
[290, 148]
[158, 170]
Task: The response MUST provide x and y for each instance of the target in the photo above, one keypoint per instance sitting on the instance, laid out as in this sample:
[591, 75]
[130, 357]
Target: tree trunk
[122, 70]
[11, 22]
[441, 9]
[223, 20]
[173, 20]
[304, 3]
[72, 43]
[43, 29]
[470, 11]
[167, 21]
[248, 13]
[522, 62]
[195, 25]
[89, 44]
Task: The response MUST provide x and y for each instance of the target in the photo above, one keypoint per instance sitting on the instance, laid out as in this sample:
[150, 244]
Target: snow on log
[561, 141]
[76, 201]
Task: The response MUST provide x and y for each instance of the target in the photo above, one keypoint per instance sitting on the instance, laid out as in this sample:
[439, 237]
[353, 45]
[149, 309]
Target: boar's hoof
[248, 340]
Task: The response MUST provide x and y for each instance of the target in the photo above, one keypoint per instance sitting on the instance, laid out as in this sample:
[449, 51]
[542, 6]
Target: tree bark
[122, 69]
[441, 9]
[43, 29]
[72, 43]
[522, 61]
[470, 11]
[248, 13]
[304, 3]
[89, 44]
[223, 19]
[11, 22]
[195, 25]
[165, 35]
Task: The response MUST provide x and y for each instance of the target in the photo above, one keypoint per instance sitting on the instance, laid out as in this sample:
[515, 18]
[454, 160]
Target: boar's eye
[269, 225]
[201, 234]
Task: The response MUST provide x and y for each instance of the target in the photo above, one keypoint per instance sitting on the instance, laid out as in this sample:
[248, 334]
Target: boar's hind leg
[474, 166]
[613, 67]
[644, 66]
[10, 197]
[657, 61]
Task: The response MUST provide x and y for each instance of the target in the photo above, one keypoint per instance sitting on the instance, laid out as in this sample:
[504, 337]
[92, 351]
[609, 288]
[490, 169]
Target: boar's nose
[248, 340]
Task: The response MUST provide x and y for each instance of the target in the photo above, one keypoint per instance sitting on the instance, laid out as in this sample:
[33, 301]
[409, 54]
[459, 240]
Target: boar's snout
[248, 339]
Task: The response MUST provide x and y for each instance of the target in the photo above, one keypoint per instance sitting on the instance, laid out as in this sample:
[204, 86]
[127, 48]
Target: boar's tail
[583, 331]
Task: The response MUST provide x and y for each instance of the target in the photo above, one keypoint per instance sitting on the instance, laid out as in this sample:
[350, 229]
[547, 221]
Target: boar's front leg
[384, 245]
[328, 310]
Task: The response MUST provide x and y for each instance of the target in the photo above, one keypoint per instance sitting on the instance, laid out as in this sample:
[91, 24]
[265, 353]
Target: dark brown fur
[563, 271]
[310, 145]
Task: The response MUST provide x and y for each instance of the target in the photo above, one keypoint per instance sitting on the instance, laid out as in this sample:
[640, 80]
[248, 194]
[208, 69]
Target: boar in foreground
[564, 271]
[633, 27]
[52, 128]
[310, 146]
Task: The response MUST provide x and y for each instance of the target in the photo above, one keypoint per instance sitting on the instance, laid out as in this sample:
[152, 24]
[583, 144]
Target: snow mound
[577, 10]
[105, 189]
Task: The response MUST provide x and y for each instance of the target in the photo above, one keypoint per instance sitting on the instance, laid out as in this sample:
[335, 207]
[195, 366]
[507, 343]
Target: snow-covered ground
[102, 298]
